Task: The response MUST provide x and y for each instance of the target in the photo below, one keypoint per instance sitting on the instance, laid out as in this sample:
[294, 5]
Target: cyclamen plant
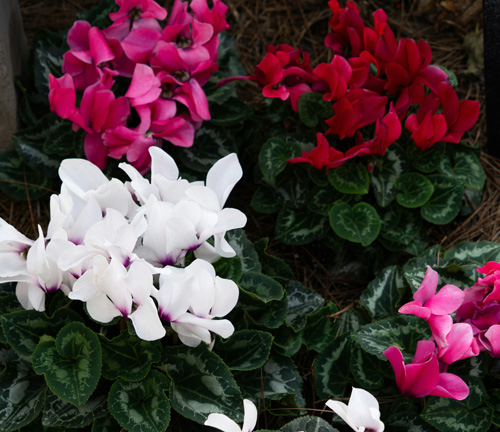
[369, 154]
[141, 83]
[104, 249]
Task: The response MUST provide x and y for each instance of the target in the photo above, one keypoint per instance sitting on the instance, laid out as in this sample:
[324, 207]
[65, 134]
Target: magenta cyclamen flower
[427, 303]
[422, 376]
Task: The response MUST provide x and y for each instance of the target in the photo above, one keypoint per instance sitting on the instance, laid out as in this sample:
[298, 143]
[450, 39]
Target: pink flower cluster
[373, 79]
[162, 69]
[474, 328]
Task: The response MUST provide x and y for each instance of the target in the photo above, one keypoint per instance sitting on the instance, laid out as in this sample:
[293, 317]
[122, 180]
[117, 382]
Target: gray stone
[13, 53]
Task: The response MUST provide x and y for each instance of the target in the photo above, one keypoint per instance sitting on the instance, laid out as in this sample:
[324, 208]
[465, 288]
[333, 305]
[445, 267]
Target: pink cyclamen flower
[427, 303]
[422, 376]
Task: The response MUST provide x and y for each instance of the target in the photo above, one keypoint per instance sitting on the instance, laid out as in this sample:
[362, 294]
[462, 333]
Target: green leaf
[128, 357]
[23, 329]
[278, 379]
[201, 384]
[211, 143]
[428, 160]
[20, 181]
[359, 224]
[29, 144]
[233, 111]
[71, 364]
[407, 422]
[292, 191]
[402, 331]
[261, 287]
[106, 424]
[245, 350]
[416, 190]
[8, 303]
[470, 255]
[414, 272]
[21, 394]
[382, 297]
[400, 225]
[141, 406]
[332, 368]
[287, 341]
[229, 268]
[308, 424]
[47, 60]
[264, 200]
[312, 108]
[298, 226]
[467, 168]
[449, 415]
[444, 204]
[319, 328]
[302, 301]
[60, 141]
[243, 247]
[366, 369]
[271, 265]
[270, 315]
[275, 154]
[59, 413]
[350, 178]
[386, 171]
[321, 200]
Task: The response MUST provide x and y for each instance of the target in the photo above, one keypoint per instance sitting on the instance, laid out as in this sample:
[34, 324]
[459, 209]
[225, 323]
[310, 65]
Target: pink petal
[450, 386]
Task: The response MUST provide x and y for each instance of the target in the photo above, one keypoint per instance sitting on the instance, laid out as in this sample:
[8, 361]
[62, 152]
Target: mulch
[452, 28]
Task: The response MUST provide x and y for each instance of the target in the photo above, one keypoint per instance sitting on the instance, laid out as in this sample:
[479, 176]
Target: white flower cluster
[120, 248]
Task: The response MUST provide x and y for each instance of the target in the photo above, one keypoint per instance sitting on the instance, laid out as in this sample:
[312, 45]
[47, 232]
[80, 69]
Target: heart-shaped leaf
[22, 393]
[415, 190]
[384, 174]
[312, 108]
[201, 384]
[445, 202]
[23, 329]
[299, 226]
[350, 178]
[128, 357]
[245, 349]
[71, 364]
[275, 154]
[359, 224]
[141, 406]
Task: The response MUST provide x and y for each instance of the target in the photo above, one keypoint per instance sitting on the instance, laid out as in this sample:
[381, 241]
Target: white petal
[223, 328]
[22, 289]
[363, 409]
[250, 419]
[80, 176]
[205, 197]
[222, 177]
[162, 164]
[222, 422]
[226, 297]
[36, 297]
[146, 322]
[101, 308]
[340, 409]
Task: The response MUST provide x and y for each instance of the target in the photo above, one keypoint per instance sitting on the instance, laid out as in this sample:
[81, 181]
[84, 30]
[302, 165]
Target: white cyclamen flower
[190, 298]
[110, 290]
[225, 424]
[38, 275]
[361, 414]
[13, 245]
[82, 180]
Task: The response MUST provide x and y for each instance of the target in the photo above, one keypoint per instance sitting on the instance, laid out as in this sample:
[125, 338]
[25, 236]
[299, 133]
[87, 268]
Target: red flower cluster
[165, 70]
[373, 79]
